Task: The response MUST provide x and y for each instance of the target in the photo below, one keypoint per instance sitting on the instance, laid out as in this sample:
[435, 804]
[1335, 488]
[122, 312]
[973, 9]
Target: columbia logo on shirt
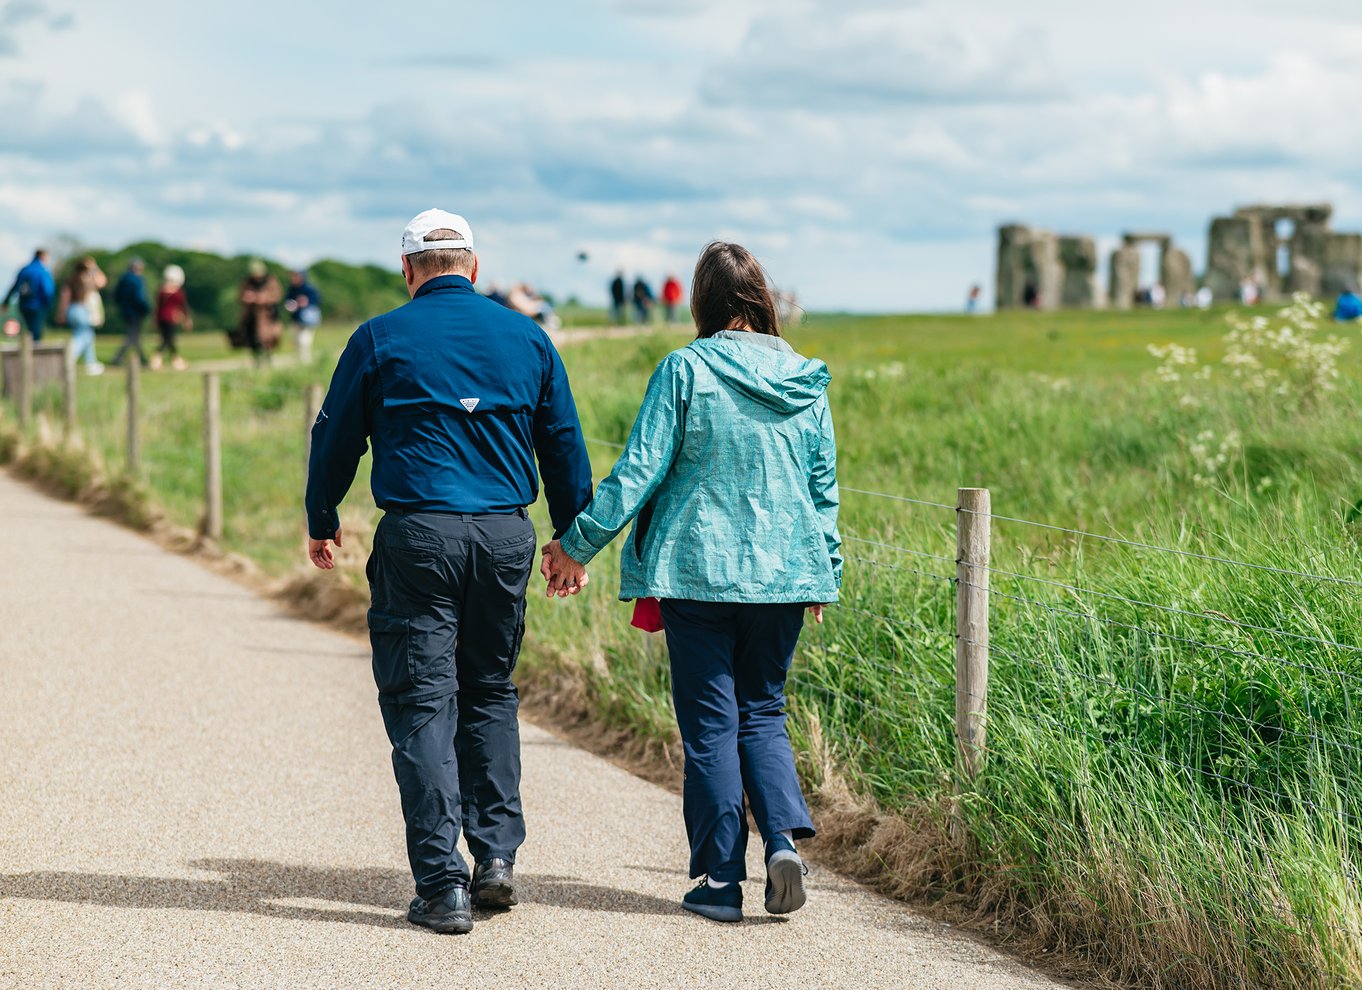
[469, 404]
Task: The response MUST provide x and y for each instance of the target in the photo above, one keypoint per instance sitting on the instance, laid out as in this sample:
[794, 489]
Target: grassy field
[1174, 750]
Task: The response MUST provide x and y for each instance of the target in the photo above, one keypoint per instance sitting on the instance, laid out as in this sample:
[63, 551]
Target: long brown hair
[730, 288]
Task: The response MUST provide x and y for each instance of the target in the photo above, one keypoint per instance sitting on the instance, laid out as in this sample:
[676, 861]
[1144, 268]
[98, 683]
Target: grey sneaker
[785, 873]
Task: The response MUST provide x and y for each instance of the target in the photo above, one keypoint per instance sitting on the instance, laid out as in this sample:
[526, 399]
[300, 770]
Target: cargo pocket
[390, 637]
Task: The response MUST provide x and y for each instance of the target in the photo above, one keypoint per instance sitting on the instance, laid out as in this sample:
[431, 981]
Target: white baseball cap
[414, 237]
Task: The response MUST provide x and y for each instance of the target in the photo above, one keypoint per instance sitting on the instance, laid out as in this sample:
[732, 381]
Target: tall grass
[1173, 750]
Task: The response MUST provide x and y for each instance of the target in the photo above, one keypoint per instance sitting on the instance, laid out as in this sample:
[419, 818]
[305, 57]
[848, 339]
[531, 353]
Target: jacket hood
[765, 368]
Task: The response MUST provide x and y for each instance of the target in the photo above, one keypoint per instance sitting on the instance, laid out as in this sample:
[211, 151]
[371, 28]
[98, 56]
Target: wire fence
[1221, 701]
[1181, 706]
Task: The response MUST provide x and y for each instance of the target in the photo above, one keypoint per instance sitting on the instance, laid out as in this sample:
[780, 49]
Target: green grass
[1169, 789]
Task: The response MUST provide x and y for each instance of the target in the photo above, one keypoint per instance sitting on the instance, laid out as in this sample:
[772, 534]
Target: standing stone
[1078, 259]
[1176, 275]
[1125, 276]
[1045, 270]
[1230, 255]
[1342, 267]
[1011, 277]
[1307, 253]
[1027, 257]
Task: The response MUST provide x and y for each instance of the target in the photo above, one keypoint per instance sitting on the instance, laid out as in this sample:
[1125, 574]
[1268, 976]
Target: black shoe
[715, 903]
[784, 877]
[493, 884]
[448, 914]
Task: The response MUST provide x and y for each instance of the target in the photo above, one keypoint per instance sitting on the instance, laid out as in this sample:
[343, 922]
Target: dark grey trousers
[447, 617]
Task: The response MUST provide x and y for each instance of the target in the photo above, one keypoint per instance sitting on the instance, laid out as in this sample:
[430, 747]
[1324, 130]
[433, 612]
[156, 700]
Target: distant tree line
[350, 293]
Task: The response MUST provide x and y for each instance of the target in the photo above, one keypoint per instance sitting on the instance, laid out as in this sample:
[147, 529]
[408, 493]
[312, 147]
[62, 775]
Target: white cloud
[899, 133]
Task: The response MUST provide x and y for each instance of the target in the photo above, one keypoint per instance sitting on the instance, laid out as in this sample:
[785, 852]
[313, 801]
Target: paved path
[195, 792]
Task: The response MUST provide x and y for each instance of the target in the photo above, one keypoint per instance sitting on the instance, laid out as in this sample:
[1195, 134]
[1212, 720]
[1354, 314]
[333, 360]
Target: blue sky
[865, 150]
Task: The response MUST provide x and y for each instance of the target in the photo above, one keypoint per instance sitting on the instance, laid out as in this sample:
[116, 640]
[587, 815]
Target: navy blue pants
[35, 320]
[729, 663]
[447, 617]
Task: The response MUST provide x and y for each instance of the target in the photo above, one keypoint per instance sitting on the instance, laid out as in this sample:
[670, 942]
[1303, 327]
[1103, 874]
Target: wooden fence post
[971, 629]
[68, 390]
[134, 401]
[212, 456]
[25, 377]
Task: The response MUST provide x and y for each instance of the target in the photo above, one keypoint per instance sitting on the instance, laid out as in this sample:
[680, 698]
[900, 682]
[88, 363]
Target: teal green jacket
[731, 472]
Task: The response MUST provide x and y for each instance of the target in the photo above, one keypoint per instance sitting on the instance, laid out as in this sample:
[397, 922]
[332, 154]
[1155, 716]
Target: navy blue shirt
[460, 396]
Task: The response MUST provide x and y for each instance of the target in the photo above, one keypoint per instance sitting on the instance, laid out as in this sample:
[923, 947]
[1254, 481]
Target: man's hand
[564, 575]
[815, 610]
[319, 552]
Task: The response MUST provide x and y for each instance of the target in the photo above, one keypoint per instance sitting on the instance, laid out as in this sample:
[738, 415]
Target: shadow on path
[250, 886]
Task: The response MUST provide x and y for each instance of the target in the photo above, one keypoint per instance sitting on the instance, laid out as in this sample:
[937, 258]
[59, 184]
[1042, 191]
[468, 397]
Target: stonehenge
[1275, 250]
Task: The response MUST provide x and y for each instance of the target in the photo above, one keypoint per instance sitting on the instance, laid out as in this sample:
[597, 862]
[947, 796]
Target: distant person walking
[130, 297]
[643, 301]
[258, 327]
[172, 316]
[459, 397]
[35, 290]
[81, 308]
[972, 299]
[671, 297]
[1348, 307]
[304, 304]
[731, 474]
[619, 315]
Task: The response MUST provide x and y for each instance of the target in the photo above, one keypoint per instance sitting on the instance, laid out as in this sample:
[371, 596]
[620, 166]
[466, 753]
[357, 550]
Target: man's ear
[407, 273]
[474, 277]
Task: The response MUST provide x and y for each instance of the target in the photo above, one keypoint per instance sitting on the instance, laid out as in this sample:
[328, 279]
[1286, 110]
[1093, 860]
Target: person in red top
[671, 296]
[172, 314]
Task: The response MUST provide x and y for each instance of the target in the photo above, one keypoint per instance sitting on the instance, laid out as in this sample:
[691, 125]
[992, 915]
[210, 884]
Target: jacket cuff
[323, 525]
[576, 547]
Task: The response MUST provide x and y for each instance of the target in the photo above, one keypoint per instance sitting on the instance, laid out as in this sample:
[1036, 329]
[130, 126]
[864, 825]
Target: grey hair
[456, 261]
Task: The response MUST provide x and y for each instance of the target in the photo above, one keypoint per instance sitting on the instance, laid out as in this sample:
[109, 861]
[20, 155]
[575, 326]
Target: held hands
[564, 575]
[815, 610]
[319, 552]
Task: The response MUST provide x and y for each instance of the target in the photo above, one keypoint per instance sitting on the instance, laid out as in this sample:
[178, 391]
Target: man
[35, 289]
[618, 314]
[130, 296]
[460, 396]
[671, 297]
[304, 302]
[643, 301]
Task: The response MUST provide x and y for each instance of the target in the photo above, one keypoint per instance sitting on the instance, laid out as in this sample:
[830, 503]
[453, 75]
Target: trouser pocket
[390, 638]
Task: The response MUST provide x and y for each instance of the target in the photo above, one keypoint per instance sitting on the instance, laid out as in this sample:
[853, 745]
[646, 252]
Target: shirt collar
[458, 282]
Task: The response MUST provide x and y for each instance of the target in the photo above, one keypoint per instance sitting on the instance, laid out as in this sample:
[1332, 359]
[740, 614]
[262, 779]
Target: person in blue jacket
[731, 475]
[1348, 307]
[35, 290]
[130, 298]
[459, 397]
[304, 303]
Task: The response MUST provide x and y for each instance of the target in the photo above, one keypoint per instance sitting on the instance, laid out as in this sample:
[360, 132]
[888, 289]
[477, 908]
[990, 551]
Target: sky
[865, 151]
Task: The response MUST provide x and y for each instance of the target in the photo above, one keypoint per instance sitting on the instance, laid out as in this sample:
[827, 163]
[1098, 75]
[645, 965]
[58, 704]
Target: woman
[259, 327]
[172, 314]
[81, 307]
[731, 473]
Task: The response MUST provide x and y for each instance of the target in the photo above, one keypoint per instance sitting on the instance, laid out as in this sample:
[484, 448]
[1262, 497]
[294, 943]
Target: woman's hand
[564, 575]
[817, 612]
